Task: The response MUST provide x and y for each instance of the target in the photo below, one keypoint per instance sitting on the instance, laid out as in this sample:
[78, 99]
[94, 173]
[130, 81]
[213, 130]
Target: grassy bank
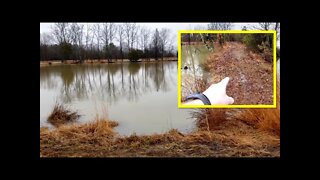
[97, 139]
[267, 120]
[220, 134]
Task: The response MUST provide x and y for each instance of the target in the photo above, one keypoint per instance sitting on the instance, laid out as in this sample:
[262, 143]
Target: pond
[141, 97]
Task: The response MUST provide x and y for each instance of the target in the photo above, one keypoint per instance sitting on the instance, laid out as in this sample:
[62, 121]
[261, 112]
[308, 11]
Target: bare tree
[220, 26]
[112, 31]
[133, 34]
[62, 35]
[120, 38]
[131, 31]
[88, 40]
[268, 26]
[264, 26]
[105, 38]
[45, 41]
[45, 38]
[200, 27]
[76, 35]
[127, 30]
[164, 37]
[156, 43]
[61, 32]
[144, 38]
[277, 28]
[97, 36]
[173, 44]
[108, 33]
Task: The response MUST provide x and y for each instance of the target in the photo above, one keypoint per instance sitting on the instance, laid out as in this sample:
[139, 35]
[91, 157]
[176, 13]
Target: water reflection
[142, 97]
[108, 82]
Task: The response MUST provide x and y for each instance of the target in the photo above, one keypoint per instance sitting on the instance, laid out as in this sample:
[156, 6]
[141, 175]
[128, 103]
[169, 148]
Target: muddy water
[142, 97]
[192, 59]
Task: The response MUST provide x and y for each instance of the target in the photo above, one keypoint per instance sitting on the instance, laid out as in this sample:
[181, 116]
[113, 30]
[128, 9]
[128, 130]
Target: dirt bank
[251, 76]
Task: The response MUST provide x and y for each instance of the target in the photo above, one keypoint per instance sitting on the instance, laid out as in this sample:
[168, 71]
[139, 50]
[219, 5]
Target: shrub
[267, 53]
[135, 55]
[260, 43]
[61, 114]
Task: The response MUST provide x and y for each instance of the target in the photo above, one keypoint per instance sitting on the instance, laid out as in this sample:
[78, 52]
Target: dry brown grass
[97, 139]
[62, 114]
[210, 119]
[261, 119]
[264, 119]
[267, 120]
[76, 140]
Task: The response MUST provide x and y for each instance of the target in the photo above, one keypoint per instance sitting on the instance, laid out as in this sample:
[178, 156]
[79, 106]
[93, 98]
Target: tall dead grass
[61, 114]
[207, 119]
[264, 119]
[96, 139]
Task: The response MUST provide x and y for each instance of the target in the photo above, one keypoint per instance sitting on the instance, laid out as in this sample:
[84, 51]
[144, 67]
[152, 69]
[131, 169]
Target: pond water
[142, 97]
[192, 59]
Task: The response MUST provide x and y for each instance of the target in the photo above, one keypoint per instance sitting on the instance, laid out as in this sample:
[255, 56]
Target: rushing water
[142, 97]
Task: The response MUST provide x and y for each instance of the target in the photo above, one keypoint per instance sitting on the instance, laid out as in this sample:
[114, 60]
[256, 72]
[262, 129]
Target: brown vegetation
[61, 115]
[251, 76]
[97, 139]
[264, 119]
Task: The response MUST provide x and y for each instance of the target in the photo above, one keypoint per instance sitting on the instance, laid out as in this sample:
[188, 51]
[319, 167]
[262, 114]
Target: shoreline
[98, 139]
[104, 61]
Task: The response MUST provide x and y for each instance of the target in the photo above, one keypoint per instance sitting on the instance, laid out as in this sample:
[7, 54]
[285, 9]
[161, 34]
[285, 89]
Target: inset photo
[227, 69]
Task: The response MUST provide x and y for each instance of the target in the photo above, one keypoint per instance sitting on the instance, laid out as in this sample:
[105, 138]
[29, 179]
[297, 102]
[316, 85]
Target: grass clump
[62, 114]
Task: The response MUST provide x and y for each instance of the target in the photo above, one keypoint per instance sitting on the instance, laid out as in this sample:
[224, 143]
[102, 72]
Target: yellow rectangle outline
[274, 105]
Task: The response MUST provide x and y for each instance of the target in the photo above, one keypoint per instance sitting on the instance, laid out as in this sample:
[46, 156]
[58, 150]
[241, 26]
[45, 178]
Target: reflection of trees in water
[67, 76]
[48, 78]
[109, 82]
[133, 69]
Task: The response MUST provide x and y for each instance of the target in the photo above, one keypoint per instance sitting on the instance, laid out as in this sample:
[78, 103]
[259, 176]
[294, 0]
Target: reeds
[62, 114]
[97, 139]
[264, 119]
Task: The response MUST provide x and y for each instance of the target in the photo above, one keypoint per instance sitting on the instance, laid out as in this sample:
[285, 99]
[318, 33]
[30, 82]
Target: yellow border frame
[274, 105]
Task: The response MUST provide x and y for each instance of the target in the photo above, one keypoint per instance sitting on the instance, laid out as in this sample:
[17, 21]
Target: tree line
[110, 41]
[261, 43]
